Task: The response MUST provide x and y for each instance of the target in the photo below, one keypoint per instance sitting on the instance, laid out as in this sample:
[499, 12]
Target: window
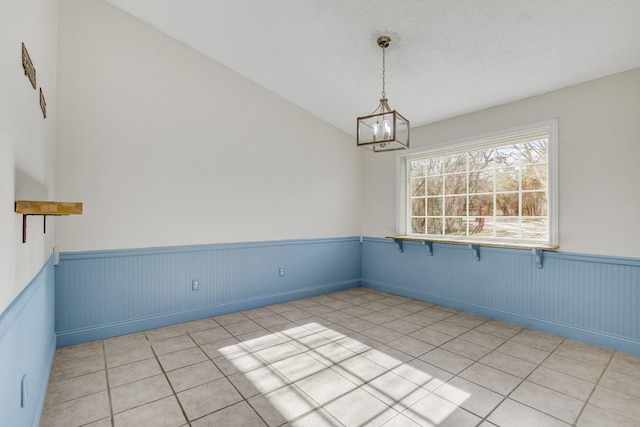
[495, 188]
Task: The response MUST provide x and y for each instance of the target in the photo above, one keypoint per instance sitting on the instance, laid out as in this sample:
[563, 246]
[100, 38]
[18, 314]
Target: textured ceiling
[447, 57]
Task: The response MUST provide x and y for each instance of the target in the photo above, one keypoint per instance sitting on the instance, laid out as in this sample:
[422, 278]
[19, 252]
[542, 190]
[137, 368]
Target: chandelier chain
[384, 95]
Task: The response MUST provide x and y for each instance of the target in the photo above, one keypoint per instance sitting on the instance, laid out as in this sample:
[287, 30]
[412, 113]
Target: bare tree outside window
[496, 192]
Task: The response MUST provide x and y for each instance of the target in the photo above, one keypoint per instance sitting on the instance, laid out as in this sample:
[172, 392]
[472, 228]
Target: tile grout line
[522, 381]
[316, 405]
[330, 361]
[456, 375]
[439, 346]
[387, 370]
[527, 376]
[106, 375]
[166, 377]
[413, 358]
[326, 367]
[476, 361]
[226, 377]
[593, 390]
[479, 361]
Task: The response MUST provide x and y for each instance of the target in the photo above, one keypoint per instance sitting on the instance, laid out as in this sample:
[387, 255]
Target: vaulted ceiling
[447, 57]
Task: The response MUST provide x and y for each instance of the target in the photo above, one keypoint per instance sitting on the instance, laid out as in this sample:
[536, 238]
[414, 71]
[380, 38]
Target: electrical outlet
[281, 271]
[195, 285]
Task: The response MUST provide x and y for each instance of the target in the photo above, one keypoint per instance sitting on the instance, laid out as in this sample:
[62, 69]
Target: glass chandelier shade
[384, 129]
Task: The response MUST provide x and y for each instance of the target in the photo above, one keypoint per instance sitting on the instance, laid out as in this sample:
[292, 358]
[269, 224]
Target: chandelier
[384, 129]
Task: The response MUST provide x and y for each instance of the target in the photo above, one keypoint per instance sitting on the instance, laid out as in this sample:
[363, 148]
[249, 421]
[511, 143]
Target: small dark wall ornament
[43, 104]
[27, 65]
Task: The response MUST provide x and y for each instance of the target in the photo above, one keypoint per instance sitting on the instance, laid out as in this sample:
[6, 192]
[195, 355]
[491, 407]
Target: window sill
[474, 245]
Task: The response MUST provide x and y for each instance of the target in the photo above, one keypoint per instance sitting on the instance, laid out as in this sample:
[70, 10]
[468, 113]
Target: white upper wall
[27, 140]
[599, 158]
[167, 147]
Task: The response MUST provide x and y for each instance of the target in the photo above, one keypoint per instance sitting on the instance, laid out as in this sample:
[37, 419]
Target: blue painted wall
[27, 345]
[106, 293]
[595, 299]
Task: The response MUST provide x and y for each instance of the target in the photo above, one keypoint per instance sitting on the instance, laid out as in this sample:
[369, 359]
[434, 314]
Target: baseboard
[140, 324]
[598, 338]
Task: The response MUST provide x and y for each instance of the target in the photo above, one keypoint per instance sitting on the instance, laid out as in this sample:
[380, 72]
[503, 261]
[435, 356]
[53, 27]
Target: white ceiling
[447, 57]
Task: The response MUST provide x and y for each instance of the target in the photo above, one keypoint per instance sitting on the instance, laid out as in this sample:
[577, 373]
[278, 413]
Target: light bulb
[376, 129]
[386, 129]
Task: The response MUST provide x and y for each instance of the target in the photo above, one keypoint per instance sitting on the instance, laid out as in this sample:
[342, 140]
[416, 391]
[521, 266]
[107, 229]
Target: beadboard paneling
[597, 295]
[27, 344]
[590, 298]
[106, 293]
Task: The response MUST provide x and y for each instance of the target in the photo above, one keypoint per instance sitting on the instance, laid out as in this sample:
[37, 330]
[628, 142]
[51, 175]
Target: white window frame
[403, 185]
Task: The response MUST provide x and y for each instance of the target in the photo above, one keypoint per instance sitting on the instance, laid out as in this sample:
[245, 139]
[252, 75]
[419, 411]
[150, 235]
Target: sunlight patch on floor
[312, 371]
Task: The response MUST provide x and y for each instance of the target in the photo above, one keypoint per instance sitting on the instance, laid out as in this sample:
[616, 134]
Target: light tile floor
[357, 357]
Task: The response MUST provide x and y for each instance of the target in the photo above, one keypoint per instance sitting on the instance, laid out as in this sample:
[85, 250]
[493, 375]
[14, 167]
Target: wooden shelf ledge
[31, 207]
[474, 245]
[44, 208]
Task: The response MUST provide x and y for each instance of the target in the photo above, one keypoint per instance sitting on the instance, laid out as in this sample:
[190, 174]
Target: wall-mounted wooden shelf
[44, 208]
[474, 245]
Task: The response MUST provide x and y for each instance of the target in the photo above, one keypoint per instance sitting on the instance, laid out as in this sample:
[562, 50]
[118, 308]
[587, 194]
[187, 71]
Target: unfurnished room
[319, 213]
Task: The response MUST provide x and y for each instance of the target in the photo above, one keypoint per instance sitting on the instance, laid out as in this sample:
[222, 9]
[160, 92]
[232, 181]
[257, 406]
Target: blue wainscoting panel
[106, 293]
[595, 299]
[27, 346]
[598, 297]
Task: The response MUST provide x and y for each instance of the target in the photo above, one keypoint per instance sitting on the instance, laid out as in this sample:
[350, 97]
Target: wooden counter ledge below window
[497, 244]
[535, 248]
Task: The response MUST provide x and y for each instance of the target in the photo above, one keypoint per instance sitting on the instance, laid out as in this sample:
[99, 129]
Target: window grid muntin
[497, 163]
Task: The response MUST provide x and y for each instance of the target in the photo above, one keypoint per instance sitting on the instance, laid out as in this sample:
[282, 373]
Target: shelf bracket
[429, 246]
[400, 244]
[537, 255]
[24, 225]
[476, 251]
[24, 228]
